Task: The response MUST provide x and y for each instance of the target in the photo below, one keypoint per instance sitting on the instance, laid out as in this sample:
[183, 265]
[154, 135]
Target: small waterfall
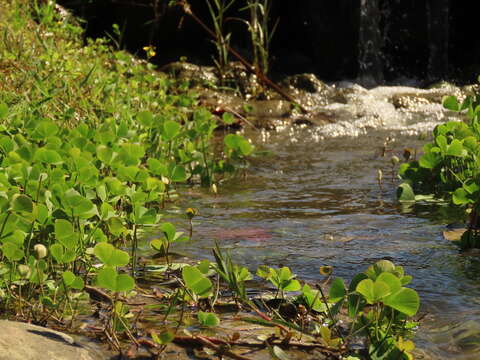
[370, 55]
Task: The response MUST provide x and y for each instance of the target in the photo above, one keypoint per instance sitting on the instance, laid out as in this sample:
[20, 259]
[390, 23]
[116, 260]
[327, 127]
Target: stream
[315, 201]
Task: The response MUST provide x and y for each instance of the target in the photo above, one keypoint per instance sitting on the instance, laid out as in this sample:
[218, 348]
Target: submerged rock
[21, 341]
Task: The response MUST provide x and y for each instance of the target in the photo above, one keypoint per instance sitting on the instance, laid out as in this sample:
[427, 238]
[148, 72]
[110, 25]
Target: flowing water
[316, 201]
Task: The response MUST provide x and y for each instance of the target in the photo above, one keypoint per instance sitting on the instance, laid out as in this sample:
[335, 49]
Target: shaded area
[387, 40]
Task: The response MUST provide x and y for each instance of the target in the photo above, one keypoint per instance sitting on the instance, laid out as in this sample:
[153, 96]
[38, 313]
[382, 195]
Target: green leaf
[108, 278]
[12, 251]
[65, 234]
[196, 281]
[179, 174]
[79, 205]
[111, 256]
[442, 143]
[157, 167]
[313, 299]
[3, 110]
[231, 141]
[168, 230]
[461, 197]
[430, 160]
[145, 118]
[373, 291]
[130, 154]
[204, 266]
[171, 129]
[48, 156]
[22, 203]
[228, 118]
[450, 103]
[208, 319]
[78, 284]
[57, 252]
[245, 147]
[293, 285]
[115, 225]
[405, 300]
[46, 128]
[337, 290]
[405, 193]
[68, 277]
[105, 154]
[391, 280]
[124, 283]
[456, 149]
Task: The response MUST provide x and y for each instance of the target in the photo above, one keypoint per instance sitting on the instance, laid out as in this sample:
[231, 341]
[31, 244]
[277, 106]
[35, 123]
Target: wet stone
[21, 341]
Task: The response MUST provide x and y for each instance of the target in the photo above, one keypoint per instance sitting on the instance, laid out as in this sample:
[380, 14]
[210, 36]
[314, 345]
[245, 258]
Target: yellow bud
[395, 160]
[326, 270]
[24, 270]
[379, 175]
[40, 251]
[191, 212]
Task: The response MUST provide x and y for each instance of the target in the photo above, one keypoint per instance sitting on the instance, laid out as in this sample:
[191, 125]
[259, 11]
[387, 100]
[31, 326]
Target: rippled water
[317, 202]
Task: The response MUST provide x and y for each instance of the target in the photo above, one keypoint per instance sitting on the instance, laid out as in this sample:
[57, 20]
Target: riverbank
[97, 148]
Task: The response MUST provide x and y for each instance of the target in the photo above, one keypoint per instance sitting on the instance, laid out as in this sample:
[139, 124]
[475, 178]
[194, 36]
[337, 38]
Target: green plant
[234, 275]
[208, 319]
[170, 235]
[197, 284]
[90, 155]
[449, 166]
[260, 33]
[218, 10]
[282, 278]
[379, 305]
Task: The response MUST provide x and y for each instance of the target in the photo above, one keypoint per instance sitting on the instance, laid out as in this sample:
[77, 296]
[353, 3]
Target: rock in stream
[21, 341]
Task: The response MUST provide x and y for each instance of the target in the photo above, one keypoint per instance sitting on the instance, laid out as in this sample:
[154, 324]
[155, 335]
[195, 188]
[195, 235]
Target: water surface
[316, 201]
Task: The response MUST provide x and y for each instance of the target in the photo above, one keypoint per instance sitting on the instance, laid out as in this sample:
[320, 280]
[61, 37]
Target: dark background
[421, 39]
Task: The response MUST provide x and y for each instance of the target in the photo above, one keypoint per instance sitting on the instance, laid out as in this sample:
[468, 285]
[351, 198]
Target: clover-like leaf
[111, 256]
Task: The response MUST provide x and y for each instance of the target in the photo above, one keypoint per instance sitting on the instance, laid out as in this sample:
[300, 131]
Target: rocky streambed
[342, 108]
